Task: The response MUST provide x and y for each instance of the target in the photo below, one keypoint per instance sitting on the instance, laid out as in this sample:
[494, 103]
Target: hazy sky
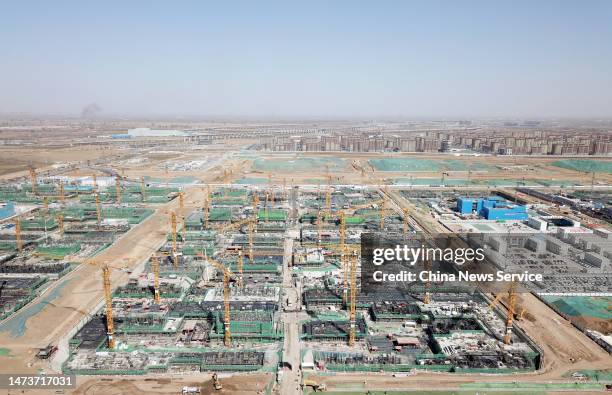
[308, 58]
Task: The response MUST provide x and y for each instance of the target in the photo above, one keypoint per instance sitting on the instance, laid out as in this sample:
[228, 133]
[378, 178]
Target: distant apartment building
[525, 142]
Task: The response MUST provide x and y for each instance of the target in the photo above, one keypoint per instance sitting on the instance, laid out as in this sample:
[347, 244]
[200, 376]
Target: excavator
[216, 383]
[314, 385]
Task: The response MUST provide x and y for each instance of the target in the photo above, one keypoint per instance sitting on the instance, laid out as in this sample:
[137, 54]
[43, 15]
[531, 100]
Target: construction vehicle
[314, 385]
[216, 384]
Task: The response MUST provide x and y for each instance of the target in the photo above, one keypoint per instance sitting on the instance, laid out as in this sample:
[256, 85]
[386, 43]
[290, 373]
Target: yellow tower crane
[328, 196]
[98, 209]
[521, 313]
[18, 234]
[181, 196]
[353, 302]
[251, 231]
[108, 297]
[344, 263]
[255, 200]
[184, 230]
[155, 268]
[382, 212]
[427, 297]
[342, 219]
[495, 301]
[60, 222]
[240, 265]
[319, 226]
[95, 182]
[34, 180]
[205, 211]
[227, 275]
[511, 307]
[62, 193]
[173, 227]
[118, 189]
[46, 204]
[143, 190]
[271, 188]
[266, 208]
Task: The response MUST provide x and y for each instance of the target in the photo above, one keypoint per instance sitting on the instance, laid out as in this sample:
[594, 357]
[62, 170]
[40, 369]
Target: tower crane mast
[118, 189]
[18, 239]
[108, 297]
[353, 301]
[511, 308]
[155, 267]
[174, 247]
[34, 180]
[227, 275]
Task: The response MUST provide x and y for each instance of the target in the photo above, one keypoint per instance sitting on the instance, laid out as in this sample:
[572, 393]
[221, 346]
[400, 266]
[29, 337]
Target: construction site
[213, 266]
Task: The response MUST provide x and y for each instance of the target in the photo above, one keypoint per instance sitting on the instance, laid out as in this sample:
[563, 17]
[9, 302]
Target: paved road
[291, 379]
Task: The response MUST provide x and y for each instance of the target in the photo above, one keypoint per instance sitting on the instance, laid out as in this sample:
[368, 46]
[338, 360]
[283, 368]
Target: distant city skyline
[390, 59]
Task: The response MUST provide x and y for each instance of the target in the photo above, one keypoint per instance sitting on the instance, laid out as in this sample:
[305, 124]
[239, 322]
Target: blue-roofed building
[7, 210]
[505, 212]
[465, 205]
[493, 208]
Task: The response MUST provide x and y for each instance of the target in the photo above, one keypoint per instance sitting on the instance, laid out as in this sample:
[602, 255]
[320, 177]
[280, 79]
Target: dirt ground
[238, 384]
